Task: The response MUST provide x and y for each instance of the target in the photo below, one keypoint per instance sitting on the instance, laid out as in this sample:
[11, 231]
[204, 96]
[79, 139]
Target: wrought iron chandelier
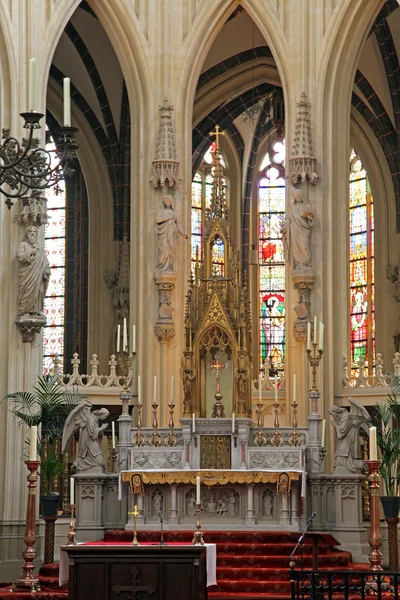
[26, 167]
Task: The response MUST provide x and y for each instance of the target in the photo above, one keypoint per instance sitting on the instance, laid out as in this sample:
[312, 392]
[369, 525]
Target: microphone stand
[161, 543]
[292, 563]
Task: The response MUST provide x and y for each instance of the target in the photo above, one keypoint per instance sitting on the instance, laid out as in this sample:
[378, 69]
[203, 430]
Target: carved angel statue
[87, 422]
[347, 432]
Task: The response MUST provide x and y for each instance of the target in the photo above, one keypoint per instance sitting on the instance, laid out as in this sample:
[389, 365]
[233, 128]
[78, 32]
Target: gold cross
[217, 366]
[134, 512]
[217, 133]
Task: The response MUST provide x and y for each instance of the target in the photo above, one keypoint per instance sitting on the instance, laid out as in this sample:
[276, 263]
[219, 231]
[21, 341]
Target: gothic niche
[268, 509]
[157, 503]
[215, 502]
[216, 358]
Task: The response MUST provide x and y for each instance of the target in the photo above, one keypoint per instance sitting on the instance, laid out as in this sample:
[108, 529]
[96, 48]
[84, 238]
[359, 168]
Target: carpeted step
[251, 573]
[334, 560]
[247, 596]
[44, 594]
[253, 585]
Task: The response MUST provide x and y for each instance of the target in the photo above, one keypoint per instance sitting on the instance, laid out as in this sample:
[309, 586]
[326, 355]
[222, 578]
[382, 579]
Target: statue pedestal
[165, 326]
[30, 325]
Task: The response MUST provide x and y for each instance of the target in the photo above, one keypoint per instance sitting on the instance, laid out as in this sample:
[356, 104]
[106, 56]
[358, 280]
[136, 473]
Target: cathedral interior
[200, 262]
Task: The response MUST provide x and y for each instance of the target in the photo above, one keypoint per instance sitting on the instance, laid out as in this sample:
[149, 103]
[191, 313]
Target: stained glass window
[201, 200]
[271, 204]
[362, 296]
[54, 303]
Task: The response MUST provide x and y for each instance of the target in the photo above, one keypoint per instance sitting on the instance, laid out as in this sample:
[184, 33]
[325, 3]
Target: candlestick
[198, 490]
[259, 389]
[125, 338]
[71, 540]
[308, 335]
[113, 434]
[233, 422]
[197, 536]
[32, 85]
[321, 336]
[155, 390]
[323, 433]
[375, 538]
[138, 390]
[118, 337]
[67, 101]
[33, 443]
[71, 490]
[373, 450]
[193, 423]
[134, 339]
[294, 388]
[172, 390]
[315, 330]
[276, 388]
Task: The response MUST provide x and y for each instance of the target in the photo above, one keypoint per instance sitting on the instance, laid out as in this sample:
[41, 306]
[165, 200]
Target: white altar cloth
[211, 564]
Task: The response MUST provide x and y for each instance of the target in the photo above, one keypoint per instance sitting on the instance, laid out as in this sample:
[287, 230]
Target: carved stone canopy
[302, 164]
[165, 166]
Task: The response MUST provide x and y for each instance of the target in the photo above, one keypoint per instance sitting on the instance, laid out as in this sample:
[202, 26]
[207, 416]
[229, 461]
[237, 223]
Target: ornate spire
[166, 165]
[302, 165]
[218, 209]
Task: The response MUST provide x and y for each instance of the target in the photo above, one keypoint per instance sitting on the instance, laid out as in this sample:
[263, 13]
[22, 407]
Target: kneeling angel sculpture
[87, 421]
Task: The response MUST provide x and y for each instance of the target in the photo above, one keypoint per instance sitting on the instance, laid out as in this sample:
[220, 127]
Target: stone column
[285, 512]
[314, 461]
[250, 519]
[173, 513]
[294, 508]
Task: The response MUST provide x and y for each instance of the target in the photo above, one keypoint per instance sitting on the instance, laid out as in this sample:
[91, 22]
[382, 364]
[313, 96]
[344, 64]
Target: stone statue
[347, 432]
[296, 233]
[157, 502]
[268, 504]
[232, 504]
[87, 422]
[33, 274]
[191, 504]
[168, 228]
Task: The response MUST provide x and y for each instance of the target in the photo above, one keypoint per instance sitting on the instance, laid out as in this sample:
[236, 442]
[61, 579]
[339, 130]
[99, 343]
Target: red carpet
[251, 565]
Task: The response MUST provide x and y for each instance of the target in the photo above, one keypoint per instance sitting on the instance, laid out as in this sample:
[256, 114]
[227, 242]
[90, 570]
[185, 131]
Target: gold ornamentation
[207, 478]
[215, 451]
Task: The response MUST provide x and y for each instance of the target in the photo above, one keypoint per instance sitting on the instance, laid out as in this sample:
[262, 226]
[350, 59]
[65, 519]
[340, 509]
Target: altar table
[110, 564]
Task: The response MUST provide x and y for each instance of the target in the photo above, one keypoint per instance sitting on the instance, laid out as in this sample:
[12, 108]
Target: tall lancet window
[271, 206]
[54, 303]
[362, 295]
[201, 200]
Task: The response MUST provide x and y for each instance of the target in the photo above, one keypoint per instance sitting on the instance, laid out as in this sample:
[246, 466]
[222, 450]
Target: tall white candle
[321, 336]
[172, 389]
[71, 490]
[118, 337]
[193, 423]
[233, 422]
[373, 449]
[134, 339]
[155, 390]
[308, 335]
[259, 388]
[113, 434]
[276, 388]
[67, 101]
[294, 388]
[33, 443]
[198, 490]
[323, 433]
[139, 399]
[315, 330]
[125, 338]
[32, 86]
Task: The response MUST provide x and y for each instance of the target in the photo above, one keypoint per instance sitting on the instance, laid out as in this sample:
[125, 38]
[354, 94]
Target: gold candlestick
[138, 440]
[71, 541]
[277, 439]
[170, 439]
[155, 439]
[375, 538]
[314, 361]
[28, 579]
[135, 513]
[294, 436]
[259, 438]
[197, 535]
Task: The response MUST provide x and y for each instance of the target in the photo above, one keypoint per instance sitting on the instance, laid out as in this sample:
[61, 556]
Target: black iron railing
[344, 585]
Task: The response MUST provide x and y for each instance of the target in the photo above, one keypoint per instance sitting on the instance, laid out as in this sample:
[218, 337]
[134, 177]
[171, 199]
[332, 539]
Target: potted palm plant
[51, 467]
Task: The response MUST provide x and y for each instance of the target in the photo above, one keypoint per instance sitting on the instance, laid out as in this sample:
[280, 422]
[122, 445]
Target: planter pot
[391, 506]
[49, 505]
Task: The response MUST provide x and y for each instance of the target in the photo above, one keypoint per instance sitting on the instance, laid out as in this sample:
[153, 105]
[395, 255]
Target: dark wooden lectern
[113, 572]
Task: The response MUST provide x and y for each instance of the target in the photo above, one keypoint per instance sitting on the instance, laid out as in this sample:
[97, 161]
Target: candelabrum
[155, 438]
[26, 167]
[294, 439]
[135, 513]
[71, 541]
[375, 539]
[197, 535]
[138, 439]
[27, 578]
[277, 439]
[170, 439]
[314, 358]
[259, 437]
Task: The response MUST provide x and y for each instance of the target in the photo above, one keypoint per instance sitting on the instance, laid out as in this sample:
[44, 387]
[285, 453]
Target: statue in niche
[168, 228]
[33, 273]
[87, 422]
[222, 505]
[268, 504]
[212, 504]
[191, 504]
[157, 502]
[347, 432]
[232, 504]
[296, 233]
